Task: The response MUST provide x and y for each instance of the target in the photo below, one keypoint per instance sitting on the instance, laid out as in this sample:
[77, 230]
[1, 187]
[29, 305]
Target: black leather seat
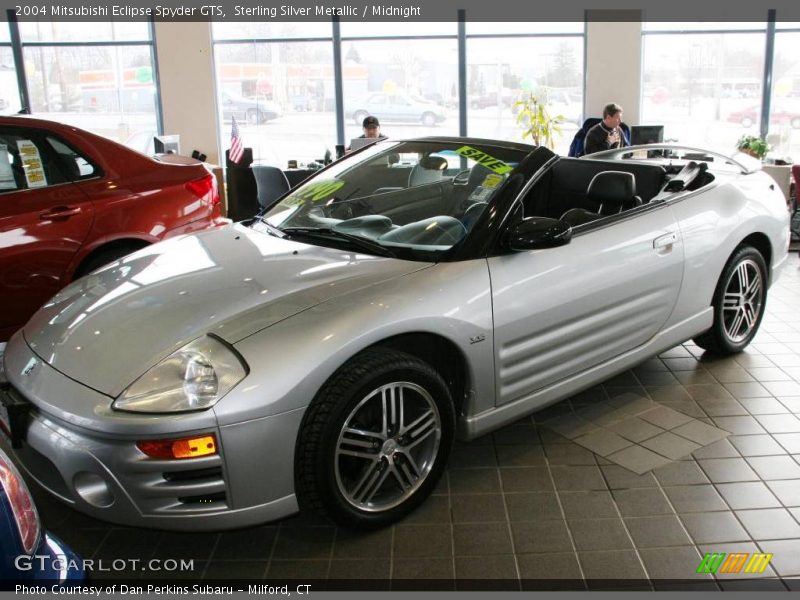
[613, 192]
[271, 183]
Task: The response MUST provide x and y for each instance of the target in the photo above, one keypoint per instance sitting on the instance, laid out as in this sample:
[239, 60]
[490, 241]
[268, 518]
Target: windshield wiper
[271, 229]
[356, 240]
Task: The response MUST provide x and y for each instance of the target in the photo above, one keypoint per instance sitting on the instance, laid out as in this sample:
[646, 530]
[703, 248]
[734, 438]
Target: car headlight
[195, 377]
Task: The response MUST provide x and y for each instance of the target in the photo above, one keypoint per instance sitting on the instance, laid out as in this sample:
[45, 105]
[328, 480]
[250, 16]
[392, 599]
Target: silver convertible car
[327, 353]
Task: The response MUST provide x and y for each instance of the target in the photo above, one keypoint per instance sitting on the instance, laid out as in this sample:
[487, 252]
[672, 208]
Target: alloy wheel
[387, 446]
[744, 294]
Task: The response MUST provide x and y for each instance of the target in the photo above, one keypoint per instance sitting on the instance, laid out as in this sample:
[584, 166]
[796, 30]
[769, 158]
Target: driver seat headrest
[613, 191]
[612, 185]
[429, 170]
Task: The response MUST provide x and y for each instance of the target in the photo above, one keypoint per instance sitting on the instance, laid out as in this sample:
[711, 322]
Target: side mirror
[535, 233]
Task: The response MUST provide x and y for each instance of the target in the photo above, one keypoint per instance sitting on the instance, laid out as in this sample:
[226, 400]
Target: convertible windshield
[415, 199]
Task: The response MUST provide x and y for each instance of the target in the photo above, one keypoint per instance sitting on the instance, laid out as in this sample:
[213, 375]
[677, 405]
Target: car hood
[108, 328]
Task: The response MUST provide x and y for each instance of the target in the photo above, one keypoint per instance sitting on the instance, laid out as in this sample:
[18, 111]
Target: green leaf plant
[752, 145]
[536, 121]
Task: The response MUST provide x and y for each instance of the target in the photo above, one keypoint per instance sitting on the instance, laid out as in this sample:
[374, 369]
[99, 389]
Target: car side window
[76, 166]
[25, 163]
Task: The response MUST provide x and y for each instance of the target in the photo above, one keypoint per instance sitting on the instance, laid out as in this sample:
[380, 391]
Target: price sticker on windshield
[319, 190]
[490, 162]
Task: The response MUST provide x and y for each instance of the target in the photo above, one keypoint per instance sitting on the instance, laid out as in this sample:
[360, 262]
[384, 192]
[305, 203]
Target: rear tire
[739, 303]
[375, 440]
[102, 258]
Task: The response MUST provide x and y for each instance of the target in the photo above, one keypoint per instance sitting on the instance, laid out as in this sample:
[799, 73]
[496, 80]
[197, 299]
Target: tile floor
[526, 507]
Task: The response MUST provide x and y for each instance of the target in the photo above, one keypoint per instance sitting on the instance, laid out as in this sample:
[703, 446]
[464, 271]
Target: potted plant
[537, 122]
[752, 145]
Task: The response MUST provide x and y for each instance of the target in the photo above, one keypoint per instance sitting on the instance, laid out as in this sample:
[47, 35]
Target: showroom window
[97, 76]
[9, 90]
[280, 91]
[501, 71]
[784, 121]
[410, 84]
[703, 81]
[278, 81]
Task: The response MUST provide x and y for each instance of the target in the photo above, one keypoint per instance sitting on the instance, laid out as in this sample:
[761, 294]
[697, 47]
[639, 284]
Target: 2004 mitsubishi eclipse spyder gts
[326, 354]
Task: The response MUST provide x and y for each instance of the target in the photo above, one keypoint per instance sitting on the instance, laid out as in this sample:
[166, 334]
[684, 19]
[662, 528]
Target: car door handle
[665, 240]
[60, 212]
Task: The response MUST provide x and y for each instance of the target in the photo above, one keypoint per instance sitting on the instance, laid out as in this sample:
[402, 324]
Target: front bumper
[100, 471]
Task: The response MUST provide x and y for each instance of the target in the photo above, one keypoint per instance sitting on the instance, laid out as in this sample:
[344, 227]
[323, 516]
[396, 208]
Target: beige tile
[670, 445]
[700, 433]
[637, 459]
[570, 426]
[664, 417]
[603, 442]
[635, 429]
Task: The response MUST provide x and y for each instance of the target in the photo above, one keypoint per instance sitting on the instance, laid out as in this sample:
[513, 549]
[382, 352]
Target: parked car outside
[506, 98]
[780, 114]
[326, 354]
[30, 555]
[397, 108]
[72, 201]
[251, 110]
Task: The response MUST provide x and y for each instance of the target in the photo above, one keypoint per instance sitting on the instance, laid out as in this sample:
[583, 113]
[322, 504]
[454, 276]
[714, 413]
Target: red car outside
[72, 201]
[779, 115]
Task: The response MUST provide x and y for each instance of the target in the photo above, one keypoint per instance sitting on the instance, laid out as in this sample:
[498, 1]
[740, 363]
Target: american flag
[237, 150]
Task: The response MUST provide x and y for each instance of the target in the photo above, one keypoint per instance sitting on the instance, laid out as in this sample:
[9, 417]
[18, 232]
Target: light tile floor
[526, 505]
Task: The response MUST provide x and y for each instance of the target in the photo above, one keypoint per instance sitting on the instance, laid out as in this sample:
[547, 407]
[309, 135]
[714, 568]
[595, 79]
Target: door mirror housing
[535, 233]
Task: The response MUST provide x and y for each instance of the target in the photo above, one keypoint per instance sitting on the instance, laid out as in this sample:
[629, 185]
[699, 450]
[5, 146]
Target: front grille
[208, 499]
[212, 472]
[194, 485]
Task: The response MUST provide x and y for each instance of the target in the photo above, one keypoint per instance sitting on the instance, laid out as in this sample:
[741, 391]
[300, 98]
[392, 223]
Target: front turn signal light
[192, 447]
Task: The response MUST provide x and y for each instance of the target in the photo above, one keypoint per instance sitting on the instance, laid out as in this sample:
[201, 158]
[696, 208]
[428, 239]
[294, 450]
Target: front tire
[375, 440]
[739, 303]
[429, 119]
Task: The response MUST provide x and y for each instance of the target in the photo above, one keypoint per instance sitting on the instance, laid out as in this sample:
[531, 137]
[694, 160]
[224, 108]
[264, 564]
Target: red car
[72, 201]
[779, 115]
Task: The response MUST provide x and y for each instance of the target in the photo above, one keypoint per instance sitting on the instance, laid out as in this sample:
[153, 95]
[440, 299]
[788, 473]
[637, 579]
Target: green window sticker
[319, 190]
[490, 162]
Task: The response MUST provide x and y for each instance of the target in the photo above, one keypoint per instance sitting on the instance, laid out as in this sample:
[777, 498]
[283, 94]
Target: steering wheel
[462, 177]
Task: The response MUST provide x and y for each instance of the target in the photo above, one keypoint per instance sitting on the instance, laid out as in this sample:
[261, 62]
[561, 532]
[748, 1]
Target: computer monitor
[647, 134]
[167, 144]
[359, 142]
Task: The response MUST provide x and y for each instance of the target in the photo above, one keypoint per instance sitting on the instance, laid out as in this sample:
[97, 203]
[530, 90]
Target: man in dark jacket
[372, 130]
[607, 134]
